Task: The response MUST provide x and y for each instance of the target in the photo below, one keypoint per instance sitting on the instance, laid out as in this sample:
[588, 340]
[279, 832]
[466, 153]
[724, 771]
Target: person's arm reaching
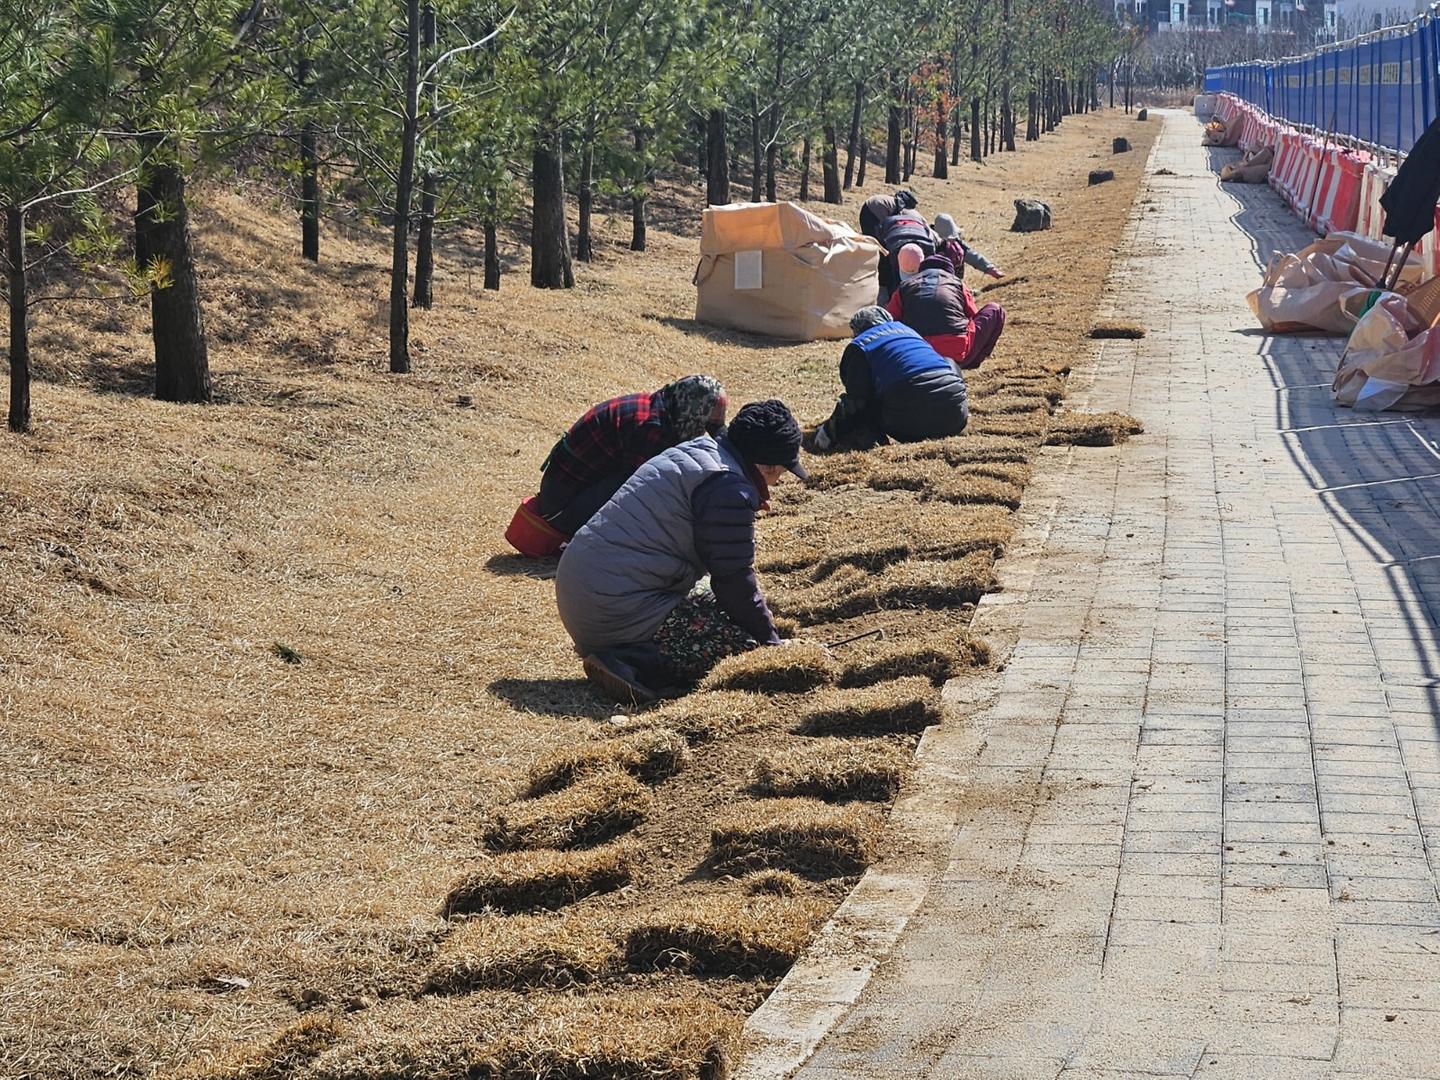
[981, 263]
[723, 508]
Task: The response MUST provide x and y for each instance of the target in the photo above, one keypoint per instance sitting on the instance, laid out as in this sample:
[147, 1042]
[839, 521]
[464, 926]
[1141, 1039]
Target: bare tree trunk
[864, 158]
[852, 145]
[19, 327]
[309, 178]
[772, 156]
[942, 134]
[405, 179]
[638, 193]
[717, 180]
[550, 266]
[162, 223]
[758, 171]
[702, 151]
[492, 246]
[830, 161]
[975, 154]
[584, 244]
[423, 295]
[805, 150]
[959, 126]
[892, 146]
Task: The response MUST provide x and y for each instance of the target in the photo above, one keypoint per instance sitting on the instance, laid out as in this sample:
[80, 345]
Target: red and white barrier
[1331, 189]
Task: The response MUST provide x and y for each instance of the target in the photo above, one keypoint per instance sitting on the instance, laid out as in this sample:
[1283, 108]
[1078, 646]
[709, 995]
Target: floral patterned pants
[697, 635]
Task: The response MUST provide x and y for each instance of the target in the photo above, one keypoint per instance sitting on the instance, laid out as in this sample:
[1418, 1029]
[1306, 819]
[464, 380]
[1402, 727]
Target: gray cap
[945, 227]
[867, 317]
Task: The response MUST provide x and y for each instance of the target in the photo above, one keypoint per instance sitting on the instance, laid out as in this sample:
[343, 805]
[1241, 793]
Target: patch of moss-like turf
[526, 881]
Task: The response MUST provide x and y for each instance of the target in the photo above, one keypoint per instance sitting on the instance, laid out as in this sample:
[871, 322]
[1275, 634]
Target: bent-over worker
[937, 305]
[626, 586]
[896, 387]
[879, 208]
[616, 437]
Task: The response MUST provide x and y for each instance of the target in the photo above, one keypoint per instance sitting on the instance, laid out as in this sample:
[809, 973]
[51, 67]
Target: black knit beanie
[767, 434]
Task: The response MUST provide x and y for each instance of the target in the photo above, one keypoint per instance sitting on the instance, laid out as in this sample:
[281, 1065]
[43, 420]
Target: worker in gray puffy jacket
[626, 586]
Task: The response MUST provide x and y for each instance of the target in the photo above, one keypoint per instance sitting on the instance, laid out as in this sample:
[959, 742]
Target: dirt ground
[203, 838]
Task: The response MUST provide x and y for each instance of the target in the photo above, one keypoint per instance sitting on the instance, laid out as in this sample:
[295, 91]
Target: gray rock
[1031, 215]
[1119, 146]
[1143, 114]
[1099, 176]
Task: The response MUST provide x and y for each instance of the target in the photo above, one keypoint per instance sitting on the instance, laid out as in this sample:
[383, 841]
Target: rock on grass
[781, 669]
[595, 808]
[1092, 429]
[521, 952]
[651, 756]
[807, 836]
[743, 936]
[835, 770]
[899, 707]
[542, 880]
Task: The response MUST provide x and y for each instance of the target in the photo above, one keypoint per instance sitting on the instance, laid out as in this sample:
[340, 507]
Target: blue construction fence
[1380, 89]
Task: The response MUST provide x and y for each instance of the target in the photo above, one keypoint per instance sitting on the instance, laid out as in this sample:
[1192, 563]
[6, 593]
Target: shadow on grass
[723, 335]
[554, 697]
[509, 564]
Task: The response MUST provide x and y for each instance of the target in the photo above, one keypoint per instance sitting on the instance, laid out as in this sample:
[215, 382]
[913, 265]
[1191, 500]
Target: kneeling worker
[626, 584]
[936, 303]
[896, 387]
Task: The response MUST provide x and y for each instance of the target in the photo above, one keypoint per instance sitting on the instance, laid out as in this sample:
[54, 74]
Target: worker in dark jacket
[615, 438]
[896, 387]
[878, 208]
[936, 304]
[626, 584]
[898, 232]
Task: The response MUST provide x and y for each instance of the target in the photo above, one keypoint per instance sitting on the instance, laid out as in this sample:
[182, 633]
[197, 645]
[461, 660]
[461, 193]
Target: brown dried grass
[927, 583]
[934, 479]
[868, 770]
[638, 1036]
[1029, 426]
[521, 952]
[706, 716]
[652, 756]
[904, 706]
[774, 883]
[782, 669]
[937, 657]
[278, 1058]
[972, 448]
[806, 836]
[743, 936]
[150, 554]
[524, 881]
[1115, 328]
[1092, 429]
[597, 807]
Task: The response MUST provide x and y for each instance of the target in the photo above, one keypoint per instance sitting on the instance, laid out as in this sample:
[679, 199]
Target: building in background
[1308, 21]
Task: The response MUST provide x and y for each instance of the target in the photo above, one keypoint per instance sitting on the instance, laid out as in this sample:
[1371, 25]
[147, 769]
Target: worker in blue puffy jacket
[896, 387]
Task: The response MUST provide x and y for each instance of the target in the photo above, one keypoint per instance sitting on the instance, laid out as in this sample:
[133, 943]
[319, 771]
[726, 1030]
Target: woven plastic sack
[1385, 368]
[1327, 286]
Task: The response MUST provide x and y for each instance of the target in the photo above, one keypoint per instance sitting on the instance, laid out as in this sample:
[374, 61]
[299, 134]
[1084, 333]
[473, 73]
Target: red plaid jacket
[617, 435]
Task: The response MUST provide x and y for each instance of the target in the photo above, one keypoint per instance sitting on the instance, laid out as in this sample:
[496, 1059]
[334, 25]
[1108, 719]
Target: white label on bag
[747, 270]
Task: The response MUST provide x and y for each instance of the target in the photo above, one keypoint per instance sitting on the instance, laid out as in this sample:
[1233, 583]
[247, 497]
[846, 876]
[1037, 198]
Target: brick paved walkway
[1202, 835]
